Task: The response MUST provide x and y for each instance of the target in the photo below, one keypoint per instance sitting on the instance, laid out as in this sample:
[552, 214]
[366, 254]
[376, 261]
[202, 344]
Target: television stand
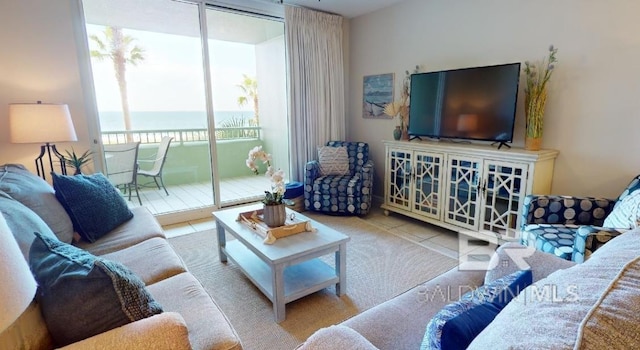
[500, 144]
[464, 187]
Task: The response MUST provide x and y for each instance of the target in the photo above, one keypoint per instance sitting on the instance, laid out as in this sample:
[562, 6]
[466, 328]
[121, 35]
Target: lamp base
[48, 149]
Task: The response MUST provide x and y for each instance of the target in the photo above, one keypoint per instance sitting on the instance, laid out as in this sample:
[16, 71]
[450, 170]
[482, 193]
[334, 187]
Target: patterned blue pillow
[93, 203]
[82, 295]
[457, 324]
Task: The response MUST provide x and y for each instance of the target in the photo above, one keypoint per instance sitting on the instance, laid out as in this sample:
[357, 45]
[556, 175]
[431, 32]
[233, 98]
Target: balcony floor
[200, 195]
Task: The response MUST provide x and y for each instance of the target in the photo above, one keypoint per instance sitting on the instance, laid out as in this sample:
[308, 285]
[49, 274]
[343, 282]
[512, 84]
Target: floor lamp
[42, 122]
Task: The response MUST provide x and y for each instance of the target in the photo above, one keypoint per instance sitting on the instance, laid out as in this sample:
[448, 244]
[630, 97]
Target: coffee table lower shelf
[299, 280]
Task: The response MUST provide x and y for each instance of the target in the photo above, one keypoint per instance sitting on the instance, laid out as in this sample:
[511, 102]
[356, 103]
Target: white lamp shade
[40, 122]
[18, 286]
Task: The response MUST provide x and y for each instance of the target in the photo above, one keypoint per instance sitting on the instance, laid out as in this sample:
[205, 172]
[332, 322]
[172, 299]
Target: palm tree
[120, 50]
[249, 87]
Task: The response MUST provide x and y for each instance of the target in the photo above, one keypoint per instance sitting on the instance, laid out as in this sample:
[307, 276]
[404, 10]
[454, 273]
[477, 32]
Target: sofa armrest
[167, 330]
[538, 209]
[336, 337]
[590, 238]
[511, 257]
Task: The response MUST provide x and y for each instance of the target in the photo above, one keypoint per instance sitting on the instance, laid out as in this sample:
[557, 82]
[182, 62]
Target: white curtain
[316, 83]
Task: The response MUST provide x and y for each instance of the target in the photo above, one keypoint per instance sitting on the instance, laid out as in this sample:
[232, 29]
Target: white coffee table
[289, 269]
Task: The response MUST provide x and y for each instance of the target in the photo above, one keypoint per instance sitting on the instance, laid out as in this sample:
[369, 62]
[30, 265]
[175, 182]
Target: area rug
[380, 266]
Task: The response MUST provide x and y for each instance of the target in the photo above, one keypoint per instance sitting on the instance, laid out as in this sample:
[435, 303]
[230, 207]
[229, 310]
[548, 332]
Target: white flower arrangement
[276, 195]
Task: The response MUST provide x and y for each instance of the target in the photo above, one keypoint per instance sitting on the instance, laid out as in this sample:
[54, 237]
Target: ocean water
[166, 120]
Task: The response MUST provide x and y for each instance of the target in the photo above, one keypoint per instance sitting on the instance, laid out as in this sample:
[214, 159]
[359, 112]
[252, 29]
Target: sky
[171, 76]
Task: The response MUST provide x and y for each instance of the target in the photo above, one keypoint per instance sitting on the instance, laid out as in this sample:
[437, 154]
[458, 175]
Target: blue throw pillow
[82, 295]
[93, 203]
[457, 324]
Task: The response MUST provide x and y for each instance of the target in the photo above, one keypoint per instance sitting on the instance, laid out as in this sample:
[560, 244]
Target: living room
[591, 94]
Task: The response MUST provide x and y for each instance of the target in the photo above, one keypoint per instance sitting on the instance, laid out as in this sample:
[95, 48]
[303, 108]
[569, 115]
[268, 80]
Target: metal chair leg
[165, 189]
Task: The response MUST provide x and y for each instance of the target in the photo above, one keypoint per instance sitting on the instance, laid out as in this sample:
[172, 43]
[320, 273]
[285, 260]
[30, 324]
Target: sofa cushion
[333, 160]
[93, 203]
[22, 222]
[613, 322]
[82, 295]
[151, 260]
[141, 227]
[208, 327]
[36, 194]
[533, 318]
[336, 337]
[455, 326]
[626, 212]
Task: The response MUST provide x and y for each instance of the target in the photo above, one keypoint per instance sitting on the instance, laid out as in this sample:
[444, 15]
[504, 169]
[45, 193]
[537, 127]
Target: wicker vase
[274, 215]
[532, 143]
[534, 114]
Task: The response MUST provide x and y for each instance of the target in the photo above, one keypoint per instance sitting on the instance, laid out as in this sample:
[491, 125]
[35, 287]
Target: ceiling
[345, 8]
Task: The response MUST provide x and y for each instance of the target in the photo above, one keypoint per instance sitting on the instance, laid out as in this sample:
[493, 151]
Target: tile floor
[430, 236]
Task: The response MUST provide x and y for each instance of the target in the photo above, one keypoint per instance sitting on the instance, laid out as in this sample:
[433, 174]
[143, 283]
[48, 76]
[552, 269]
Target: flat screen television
[476, 103]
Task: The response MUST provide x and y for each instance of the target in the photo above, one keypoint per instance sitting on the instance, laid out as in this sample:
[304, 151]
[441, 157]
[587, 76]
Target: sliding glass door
[247, 67]
[213, 80]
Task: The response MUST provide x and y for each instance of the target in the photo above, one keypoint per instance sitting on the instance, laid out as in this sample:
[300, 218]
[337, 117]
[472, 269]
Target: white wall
[592, 114]
[38, 62]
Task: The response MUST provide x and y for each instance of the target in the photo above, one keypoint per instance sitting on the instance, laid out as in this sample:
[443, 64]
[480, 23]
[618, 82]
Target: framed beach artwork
[377, 92]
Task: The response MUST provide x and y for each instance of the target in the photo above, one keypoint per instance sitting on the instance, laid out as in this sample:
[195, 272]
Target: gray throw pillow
[23, 222]
[93, 203]
[35, 193]
[82, 295]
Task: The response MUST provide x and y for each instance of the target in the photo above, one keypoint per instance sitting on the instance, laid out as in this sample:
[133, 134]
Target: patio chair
[122, 166]
[157, 162]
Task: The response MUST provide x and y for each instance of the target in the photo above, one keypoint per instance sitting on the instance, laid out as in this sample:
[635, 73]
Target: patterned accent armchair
[341, 194]
[569, 227]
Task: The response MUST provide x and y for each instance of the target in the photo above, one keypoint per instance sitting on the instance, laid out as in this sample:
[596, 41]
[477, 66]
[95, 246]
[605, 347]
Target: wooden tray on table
[292, 226]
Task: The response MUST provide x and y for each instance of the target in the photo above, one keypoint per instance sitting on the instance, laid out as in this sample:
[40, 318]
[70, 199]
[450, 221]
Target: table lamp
[18, 286]
[42, 122]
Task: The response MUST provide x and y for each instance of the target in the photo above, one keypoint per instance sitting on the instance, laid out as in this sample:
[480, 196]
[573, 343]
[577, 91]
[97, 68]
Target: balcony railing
[180, 136]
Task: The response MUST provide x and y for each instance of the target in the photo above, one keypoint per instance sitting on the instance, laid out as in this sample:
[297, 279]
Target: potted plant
[535, 97]
[77, 161]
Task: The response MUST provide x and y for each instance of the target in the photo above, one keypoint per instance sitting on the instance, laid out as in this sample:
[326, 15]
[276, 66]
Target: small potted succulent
[77, 161]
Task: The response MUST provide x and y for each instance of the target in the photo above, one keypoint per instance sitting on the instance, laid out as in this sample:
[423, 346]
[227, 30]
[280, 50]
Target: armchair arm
[311, 171]
[163, 331]
[590, 238]
[364, 185]
[551, 209]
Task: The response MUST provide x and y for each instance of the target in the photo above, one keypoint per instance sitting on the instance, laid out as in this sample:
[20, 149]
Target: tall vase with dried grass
[535, 98]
